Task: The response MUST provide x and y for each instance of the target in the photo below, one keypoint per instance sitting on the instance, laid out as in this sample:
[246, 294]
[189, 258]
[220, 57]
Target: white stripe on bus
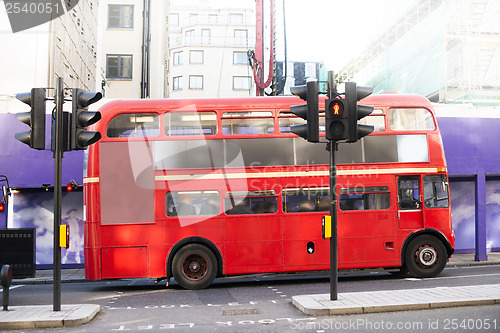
[282, 174]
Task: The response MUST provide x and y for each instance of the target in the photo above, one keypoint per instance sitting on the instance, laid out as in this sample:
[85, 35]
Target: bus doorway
[410, 214]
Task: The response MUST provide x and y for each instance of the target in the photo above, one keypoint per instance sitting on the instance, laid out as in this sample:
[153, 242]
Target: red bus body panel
[256, 243]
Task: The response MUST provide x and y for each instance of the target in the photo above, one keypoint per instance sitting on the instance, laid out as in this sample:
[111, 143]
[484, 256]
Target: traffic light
[35, 119]
[309, 111]
[72, 185]
[356, 112]
[82, 118]
[336, 119]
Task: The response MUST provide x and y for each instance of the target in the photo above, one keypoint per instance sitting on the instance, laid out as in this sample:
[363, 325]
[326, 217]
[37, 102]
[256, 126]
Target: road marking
[245, 322]
[460, 276]
[14, 287]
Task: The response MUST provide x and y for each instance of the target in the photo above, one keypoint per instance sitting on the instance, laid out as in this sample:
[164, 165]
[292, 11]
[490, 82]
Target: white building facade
[208, 50]
[63, 47]
[133, 48]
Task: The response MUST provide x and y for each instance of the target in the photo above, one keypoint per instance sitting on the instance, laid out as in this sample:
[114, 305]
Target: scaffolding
[447, 50]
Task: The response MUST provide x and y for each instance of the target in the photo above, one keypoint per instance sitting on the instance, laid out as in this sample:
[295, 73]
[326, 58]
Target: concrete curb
[42, 316]
[397, 300]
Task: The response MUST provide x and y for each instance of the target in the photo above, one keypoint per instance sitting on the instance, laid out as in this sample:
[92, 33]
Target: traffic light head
[336, 119]
[72, 185]
[309, 111]
[356, 112]
[82, 118]
[35, 119]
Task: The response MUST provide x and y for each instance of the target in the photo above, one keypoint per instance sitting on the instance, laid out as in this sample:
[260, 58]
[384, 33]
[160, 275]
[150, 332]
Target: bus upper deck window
[287, 119]
[411, 119]
[190, 123]
[376, 119]
[134, 125]
[254, 122]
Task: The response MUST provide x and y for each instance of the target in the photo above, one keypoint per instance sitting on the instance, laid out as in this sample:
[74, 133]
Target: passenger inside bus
[306, 206]
[185, 207]
[264, 207]
[240, 208]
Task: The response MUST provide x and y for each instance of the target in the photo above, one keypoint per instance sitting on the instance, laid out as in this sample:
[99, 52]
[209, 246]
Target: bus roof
[255, 103]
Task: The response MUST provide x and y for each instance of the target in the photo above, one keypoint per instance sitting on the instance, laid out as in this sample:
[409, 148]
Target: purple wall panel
[26, 167]
[471, 144]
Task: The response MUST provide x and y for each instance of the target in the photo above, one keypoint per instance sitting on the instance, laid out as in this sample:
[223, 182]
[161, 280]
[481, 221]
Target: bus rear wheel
[425, 256]
[194, 267]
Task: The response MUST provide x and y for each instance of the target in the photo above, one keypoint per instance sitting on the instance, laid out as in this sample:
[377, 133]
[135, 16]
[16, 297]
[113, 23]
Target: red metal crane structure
[256, 57]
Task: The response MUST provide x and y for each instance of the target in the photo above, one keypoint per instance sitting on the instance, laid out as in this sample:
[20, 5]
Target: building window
[240, 58]
[241, 82]
[205, 36]
[177, 83]
[118, 66]
[240, 37]
[310, 70]
[195, 82]
[173, 19]
[235, 19]
[196, 57]
[120, 16]
[193, 18]
[189, 37]
[212, 18]
[178, 58]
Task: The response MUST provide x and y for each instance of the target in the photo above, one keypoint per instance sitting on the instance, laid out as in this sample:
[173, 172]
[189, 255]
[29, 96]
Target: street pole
[58, 155]
[332, 89]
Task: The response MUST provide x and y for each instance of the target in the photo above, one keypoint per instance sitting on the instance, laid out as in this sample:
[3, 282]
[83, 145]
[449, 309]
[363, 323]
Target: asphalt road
[262, 304]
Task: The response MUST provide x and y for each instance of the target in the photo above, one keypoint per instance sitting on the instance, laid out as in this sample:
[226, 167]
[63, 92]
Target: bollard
[6, 279]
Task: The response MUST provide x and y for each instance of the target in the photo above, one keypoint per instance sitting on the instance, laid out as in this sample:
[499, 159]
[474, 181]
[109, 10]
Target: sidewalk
[400, 300]
[397, 300]
[42, 316]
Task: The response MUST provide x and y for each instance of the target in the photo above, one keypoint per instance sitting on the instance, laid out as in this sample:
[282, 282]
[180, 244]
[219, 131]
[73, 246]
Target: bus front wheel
[425, 256]
[194, 267]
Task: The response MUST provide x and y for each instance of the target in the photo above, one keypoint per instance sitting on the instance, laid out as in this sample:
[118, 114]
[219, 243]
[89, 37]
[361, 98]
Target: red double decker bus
[206, 188]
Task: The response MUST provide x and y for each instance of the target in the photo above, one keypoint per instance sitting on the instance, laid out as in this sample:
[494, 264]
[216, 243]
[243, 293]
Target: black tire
[194, 267]
[425, 256]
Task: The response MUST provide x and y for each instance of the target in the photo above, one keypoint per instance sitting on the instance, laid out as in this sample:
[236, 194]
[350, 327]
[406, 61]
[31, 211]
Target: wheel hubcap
[194, 267]
[426, 256]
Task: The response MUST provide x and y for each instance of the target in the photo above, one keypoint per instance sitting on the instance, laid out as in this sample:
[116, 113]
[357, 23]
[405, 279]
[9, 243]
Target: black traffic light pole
[58, 155]
[61, 141]
[332, 90]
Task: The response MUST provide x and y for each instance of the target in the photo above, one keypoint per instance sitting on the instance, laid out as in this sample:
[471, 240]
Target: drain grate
[239, 312]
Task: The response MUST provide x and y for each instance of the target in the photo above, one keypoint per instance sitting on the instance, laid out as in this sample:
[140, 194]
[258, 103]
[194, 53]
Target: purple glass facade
[30, 168]
[473, 157]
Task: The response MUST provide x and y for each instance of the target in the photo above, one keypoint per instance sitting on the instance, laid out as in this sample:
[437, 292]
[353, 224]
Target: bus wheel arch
[425, 254]
[202, 243]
